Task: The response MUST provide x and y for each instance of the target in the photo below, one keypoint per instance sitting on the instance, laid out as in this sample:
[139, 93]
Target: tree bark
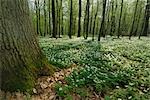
[119, 29]
[132, 27]
[45, 19]
[71, 18]
[54, 19]
[49, 15]
[94, 23]
[37, 17]
[146, 19]
[79, 21]
[102, 28]
[87, 18]
[62, 19]
[20, 56]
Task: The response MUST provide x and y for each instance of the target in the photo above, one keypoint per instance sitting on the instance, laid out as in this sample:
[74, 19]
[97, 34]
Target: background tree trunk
[71, 18]
[94, 23]
[134, 16]
[119, 27]
[20, 56]
[54, 19]
[146, 19]
[49, 16]
[102, 28]
[79, 21]
[87, 15]
[45, 19]
[37, 17]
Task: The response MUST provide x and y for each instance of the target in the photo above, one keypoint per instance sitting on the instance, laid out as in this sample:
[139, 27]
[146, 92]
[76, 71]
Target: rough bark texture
[20, 56]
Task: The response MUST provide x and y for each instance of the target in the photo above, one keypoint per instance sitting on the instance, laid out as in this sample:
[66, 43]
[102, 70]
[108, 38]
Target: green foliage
[109, 67]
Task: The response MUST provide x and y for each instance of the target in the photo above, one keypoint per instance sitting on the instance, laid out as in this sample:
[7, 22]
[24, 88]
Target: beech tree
[54, 19]
[102, 28]
[71, 18]
[79, 21]
[133, 22]
[21, 59]
[146, 19]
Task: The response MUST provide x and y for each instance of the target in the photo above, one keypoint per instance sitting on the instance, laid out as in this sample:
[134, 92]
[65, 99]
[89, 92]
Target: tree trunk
[94, 24]
[102, 28]
[20, 56]
[39, 14]
[62, 18]
[54, 19]
[119, 29]
[132, 27]
[45, 19]
[91, 19]
[87, 18]
[71, 18]
[79, 21]
[37, 17]
[138, 23]
[113, 24]
[146, 19]
[49, 15]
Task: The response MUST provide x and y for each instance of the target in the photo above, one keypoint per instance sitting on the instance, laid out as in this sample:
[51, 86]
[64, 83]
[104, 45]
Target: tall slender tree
[146, 19]
[54, 19]
[71, 19]
[120, 19]
[62, 19]
[133, 22]
[91, 18]
[79, 21]
[49, 16]
[37, 17]
[94, 23]
[39, 14]
[102, 28]
[45, 18]
[87, 15]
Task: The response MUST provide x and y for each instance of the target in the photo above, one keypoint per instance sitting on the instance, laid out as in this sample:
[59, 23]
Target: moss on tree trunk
[21, 59]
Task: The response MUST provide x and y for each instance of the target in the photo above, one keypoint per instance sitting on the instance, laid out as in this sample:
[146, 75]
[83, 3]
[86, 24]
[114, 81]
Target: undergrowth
[118, 69]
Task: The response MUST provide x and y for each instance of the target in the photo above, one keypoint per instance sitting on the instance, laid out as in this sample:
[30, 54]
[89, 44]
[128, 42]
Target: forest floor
[113, 69]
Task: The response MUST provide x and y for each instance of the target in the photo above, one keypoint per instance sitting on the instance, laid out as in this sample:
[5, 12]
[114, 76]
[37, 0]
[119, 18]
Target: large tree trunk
[20, 56]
